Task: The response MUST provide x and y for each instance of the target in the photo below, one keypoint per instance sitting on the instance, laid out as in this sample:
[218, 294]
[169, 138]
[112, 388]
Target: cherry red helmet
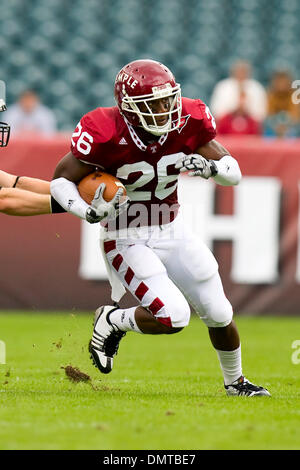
[140, 82]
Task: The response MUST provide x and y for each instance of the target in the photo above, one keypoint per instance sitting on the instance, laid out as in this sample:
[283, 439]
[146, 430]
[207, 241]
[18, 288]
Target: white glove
[100, 208]
[197, 165]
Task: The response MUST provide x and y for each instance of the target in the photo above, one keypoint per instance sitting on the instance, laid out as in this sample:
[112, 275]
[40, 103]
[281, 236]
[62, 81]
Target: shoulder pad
[196, 108]
[100, 123]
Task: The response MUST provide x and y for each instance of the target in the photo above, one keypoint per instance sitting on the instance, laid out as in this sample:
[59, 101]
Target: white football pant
[166, 268]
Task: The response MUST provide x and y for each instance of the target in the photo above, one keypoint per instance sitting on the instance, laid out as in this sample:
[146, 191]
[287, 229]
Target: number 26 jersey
[104, 139]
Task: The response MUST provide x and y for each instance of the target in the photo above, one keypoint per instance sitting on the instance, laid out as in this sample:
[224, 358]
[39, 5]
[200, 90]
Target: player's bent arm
[226, 168]
[72, 169]
[18, 202]
[68, 172]
[213, 150]
[64, 190]
[212, 160]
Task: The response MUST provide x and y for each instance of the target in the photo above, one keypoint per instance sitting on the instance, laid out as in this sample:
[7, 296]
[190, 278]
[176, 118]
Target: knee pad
[177, 311]
[218, 314]
[150, 283]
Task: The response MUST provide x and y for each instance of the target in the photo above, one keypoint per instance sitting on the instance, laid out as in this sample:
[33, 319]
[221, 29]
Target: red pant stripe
[165, 321]
[156, 306]
[141, 290]
[129, 276]
[109, 245]
[117, 261]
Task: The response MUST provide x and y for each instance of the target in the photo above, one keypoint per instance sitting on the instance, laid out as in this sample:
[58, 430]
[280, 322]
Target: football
[88, 185]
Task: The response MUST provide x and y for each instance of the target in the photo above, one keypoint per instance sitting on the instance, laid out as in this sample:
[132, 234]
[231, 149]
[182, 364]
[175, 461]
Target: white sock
[231, 364]
[124, 319]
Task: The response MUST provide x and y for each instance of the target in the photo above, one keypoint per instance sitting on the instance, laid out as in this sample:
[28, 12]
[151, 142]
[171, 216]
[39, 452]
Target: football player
[146, 140]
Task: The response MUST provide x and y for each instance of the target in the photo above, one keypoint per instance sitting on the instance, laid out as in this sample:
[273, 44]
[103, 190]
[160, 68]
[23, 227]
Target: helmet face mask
[2, 105]
[139, 86]
[4, 134]
[4, 128]
[141, 106]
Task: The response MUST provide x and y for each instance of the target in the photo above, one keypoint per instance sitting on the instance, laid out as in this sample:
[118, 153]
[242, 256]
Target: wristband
[66, 194]
[228, 171]
[56, 208]
[16, 182]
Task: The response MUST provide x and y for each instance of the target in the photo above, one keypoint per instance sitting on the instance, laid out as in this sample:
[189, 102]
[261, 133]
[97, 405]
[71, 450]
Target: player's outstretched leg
[112, 323]
[209, 301]
[105, 341]
[227, 344]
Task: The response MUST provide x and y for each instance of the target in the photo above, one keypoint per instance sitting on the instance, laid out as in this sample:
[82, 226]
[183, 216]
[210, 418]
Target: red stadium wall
[40, 255]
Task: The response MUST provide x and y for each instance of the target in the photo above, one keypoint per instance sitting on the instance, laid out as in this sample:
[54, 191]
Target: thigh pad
[144, 262]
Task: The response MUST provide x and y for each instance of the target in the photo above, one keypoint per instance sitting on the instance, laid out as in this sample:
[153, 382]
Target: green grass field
[165, 392]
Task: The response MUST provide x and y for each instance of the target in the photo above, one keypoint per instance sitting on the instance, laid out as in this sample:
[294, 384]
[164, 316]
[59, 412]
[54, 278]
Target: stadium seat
[77, 51]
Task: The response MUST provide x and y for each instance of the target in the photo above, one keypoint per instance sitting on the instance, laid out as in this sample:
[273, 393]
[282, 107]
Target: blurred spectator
[30, 116]
[283, 114]
[226, 96]
[239, 122]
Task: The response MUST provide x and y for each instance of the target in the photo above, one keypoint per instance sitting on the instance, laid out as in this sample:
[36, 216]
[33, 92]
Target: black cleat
[105, 341]
[242, 387]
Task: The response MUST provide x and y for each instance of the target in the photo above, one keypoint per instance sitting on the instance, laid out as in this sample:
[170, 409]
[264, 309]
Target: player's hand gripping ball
[87, 186]
[105, 194]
